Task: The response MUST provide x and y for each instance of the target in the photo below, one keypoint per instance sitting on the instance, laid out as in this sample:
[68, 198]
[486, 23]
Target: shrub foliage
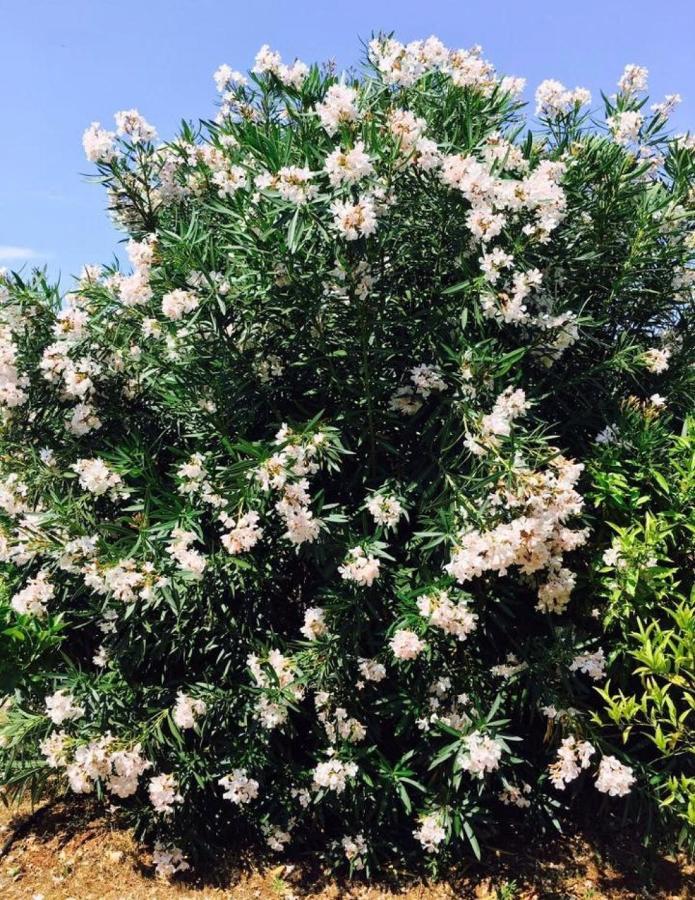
[354, 516]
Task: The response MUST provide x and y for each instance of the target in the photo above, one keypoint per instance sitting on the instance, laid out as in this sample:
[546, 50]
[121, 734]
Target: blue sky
[66, 63]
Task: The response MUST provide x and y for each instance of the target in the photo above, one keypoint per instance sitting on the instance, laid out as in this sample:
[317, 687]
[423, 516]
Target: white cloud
[8, 252]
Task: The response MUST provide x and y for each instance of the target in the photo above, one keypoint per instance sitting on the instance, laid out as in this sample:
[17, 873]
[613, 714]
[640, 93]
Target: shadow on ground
[74, 850]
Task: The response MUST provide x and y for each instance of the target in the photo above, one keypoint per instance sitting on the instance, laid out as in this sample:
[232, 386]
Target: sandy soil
[72, 850]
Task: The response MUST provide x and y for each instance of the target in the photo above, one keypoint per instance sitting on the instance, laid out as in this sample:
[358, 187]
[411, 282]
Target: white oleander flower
[633, 80]
[32, 599]
[131, 125]
[244, 533]
[360, 567]
[238, 787]
[164, 794]
[406, 644]
[385, 510]
[572, 757]
[314, 624]
[482, 754]
[176, 304]
[371, 670]
[333, 775]
[656, 360]
[96, 477]
[99, 144]
[354, 220]
[54, 749]
[168, 860]
[431, 832]
[348, 166]
[338, 107]
[613, 777]
[355, 848]
[554, 99]
[592, 664]
[61, 707]
[188, 710]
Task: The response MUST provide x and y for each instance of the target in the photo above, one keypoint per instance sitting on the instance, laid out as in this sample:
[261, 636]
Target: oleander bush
[355, 517]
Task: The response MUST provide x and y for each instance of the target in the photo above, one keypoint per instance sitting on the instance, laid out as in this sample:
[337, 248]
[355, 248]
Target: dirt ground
[72, 851]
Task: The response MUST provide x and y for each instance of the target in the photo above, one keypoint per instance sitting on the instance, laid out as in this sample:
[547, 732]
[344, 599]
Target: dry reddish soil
[71, 849]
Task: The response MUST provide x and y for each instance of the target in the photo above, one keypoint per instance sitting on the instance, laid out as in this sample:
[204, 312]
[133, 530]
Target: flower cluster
[118, 770]
[32, 599]
[96, 477]
[164, 794]
[186, 558]
[385, 510]
[238, 787]
[534, 541]
[360, 567]
[277, 671]
[333, 775]
[61, 706]
[188, 710]
[314, 623]
[613, 777]
[168, 860]
[12, 384]
[244, 533]
[482, 754]
[355, 849]
[554, 99]
[430, 832]
[406, 644]
[572, 757]
[285, 472]
[443, 612]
